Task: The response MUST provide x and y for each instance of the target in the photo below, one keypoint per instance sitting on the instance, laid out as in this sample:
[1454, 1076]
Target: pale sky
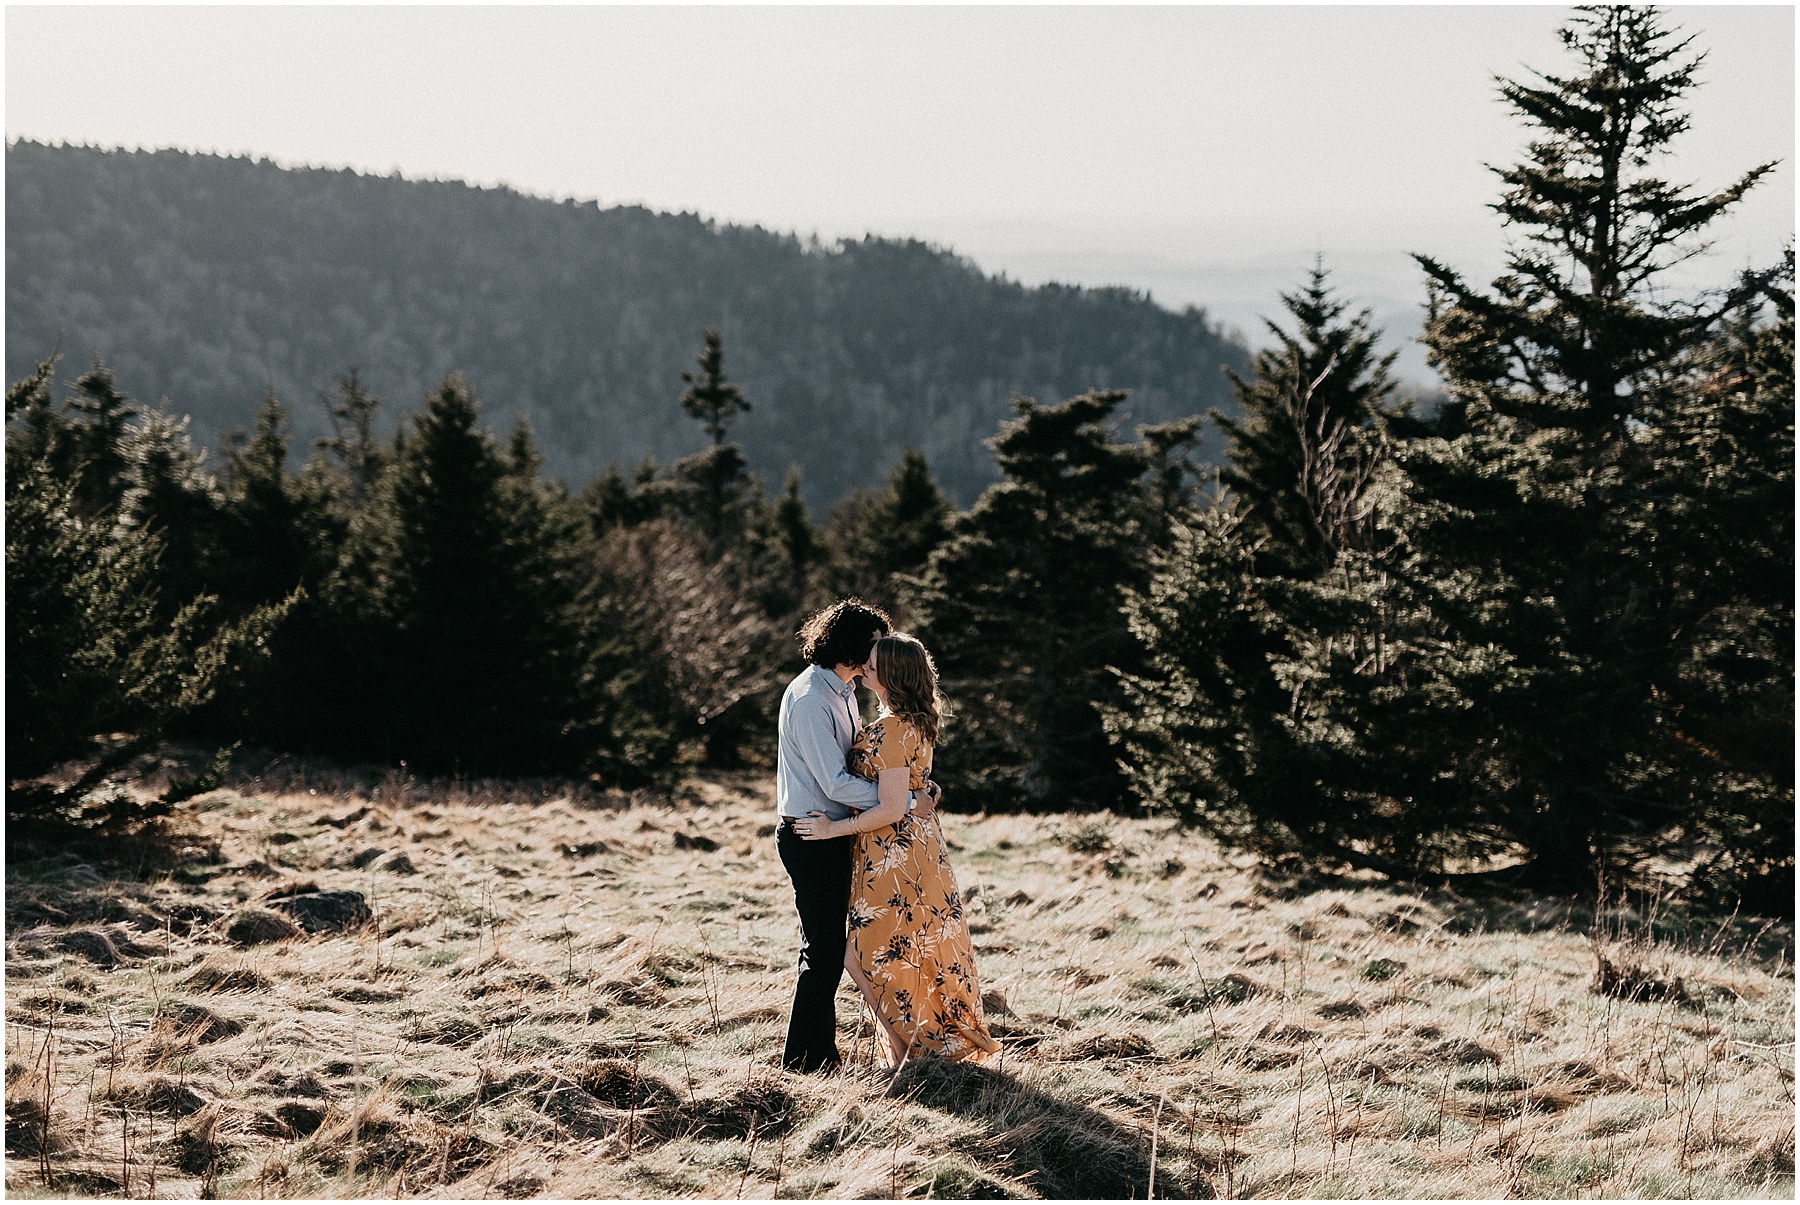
[1203, 153]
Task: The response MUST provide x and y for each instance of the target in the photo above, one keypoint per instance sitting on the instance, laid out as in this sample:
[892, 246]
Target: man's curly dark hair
[843, 633]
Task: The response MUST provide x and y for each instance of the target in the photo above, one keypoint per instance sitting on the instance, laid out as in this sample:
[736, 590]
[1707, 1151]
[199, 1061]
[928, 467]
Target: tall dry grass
[566, 992]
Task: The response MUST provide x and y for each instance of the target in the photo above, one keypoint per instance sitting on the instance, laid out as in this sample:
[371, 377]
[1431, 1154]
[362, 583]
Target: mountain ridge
[208, 278]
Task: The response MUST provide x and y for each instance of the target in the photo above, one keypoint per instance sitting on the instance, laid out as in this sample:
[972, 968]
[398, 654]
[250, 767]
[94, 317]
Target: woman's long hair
[910, 676]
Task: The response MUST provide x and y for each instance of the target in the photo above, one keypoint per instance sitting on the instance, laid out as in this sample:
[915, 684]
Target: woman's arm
[891, 784]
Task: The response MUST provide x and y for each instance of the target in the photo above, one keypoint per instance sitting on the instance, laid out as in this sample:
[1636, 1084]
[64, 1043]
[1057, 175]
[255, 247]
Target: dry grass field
[562, 993]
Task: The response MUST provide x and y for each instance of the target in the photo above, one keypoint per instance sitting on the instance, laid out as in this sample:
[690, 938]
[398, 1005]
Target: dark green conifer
[878, 537]
[796, 540]
[464, 584]
[1491, 673]
[710, 399]
[1304, 443]
[168, 489]
[92, 646]
[354, 445]
[1021, 607]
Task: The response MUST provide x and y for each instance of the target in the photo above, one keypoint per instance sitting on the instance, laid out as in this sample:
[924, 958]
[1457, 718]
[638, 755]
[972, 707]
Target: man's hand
[817, 826]
[932, 794]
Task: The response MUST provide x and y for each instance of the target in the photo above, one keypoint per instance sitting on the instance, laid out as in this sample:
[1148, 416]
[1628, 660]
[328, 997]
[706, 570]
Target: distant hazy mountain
[206, 279]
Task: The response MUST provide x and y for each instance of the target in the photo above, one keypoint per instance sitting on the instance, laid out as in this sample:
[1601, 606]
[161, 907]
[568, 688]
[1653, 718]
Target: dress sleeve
[893, 745]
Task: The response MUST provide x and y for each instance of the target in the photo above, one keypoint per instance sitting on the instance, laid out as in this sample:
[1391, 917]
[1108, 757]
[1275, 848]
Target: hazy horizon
[1202, 154]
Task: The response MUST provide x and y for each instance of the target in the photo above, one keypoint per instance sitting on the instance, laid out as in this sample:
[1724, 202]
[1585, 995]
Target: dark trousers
[820, 871]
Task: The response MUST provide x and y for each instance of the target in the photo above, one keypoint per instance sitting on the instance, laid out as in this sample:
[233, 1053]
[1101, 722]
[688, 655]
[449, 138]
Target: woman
[909, 948]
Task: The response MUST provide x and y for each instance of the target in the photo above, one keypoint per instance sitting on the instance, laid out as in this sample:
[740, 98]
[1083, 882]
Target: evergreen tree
[92, 647]
[280, 535]
[1021, 608]
[609, 500]
[1722, 477]
[1532, 531]
[1491, 671]
[712, 490]
[1303, 445]
[463, 583]
[791, 549]
[710, 399]
[354, 444]
[267, 554]
[168, 489]
[94, 456]
[878, 537]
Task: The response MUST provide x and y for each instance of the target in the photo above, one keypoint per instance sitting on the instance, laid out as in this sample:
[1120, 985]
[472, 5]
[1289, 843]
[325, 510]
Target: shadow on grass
[1061, 1149]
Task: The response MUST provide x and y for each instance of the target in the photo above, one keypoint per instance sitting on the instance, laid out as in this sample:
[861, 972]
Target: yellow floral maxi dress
[906, 914]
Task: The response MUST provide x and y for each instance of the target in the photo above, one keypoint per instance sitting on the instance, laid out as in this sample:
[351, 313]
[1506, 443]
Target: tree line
[207, 279]
[1541, 632]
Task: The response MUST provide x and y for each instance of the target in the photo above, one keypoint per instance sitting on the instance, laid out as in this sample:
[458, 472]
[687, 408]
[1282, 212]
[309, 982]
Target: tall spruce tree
[1532, 530]
[878, 537]
[354, 446]
[1208, 729]
[169, 489]
[710, 399]
[1490, 674]
[463, 586]
[1021, 607]
[1303, 444]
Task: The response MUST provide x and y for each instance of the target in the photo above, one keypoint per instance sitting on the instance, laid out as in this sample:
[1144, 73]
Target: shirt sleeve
[817, 744]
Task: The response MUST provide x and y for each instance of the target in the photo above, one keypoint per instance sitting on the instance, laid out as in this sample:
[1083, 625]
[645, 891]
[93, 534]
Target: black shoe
[813, 1066]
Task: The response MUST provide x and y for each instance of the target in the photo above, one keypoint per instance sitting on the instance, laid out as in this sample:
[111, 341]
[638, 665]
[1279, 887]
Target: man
[818, 723]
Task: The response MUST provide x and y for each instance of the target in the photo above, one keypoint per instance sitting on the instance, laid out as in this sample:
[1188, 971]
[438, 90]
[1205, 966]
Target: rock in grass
[325, 911]
[1379, 970]
[259, 926]
[400, 864]
[692, 841]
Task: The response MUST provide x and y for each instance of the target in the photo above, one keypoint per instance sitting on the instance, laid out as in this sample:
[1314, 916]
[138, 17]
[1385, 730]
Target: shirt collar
[844, 689]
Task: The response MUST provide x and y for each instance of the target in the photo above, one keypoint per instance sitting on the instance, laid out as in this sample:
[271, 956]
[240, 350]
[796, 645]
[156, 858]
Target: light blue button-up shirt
[817, 725]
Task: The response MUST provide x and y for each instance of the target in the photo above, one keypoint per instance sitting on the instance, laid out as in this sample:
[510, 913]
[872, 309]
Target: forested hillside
[208, 279]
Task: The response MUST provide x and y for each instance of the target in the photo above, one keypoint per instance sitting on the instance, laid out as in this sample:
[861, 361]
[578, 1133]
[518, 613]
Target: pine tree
[266, 549]
[97, 422]
[168, 489]
[354, 444]
[463, 583]
[1021, 607]
[794, 545]
[1243, 587]
[92, 646]
[1305, 442]
[710, 399]
[1531, 530]
[879, 537]
[1493, 670]
[1722, 474]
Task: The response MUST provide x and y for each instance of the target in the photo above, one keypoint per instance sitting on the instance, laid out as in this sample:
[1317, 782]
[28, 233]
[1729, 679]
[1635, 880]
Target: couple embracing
[860, 839]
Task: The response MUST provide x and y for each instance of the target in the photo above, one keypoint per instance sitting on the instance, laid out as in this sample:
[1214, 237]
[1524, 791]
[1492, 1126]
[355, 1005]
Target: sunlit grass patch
[520, 1020]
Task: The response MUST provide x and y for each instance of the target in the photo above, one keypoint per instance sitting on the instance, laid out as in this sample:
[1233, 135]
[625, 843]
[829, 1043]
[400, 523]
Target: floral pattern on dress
[906, 913]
